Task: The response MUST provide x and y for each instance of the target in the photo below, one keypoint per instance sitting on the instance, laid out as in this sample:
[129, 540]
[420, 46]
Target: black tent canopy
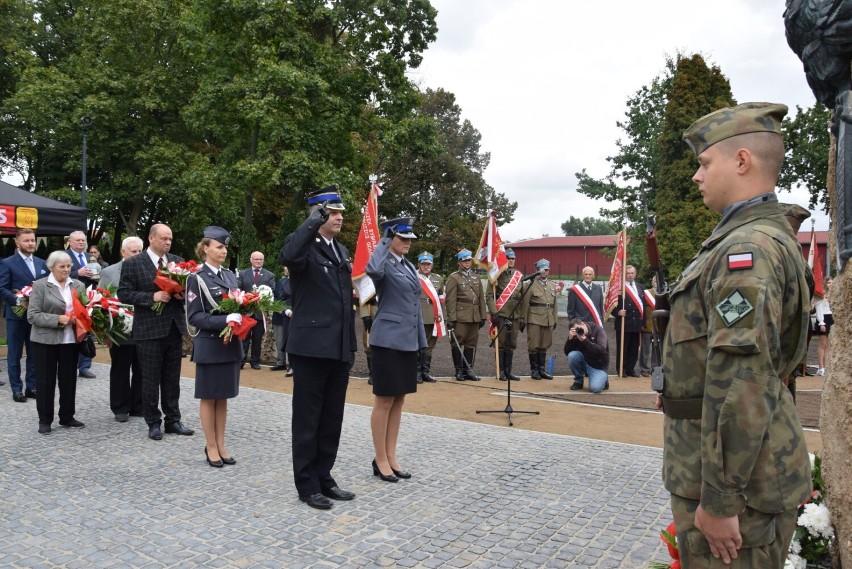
[22, 209]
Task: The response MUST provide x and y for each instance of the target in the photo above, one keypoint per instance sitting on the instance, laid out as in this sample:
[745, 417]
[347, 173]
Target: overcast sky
[544, 82]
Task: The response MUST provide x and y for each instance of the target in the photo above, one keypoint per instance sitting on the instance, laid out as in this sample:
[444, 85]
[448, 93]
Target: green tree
[684, 221]
[807, 140]
[589, 226]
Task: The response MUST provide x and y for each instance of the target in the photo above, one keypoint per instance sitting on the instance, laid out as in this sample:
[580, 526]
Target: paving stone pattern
[481, 496]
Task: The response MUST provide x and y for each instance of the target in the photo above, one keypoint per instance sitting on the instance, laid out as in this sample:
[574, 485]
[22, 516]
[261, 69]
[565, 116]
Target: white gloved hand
[288, 313]
[235, 317]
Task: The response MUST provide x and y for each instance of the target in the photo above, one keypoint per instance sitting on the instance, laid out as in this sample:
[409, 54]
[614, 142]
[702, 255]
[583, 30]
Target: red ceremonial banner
[368, 238]
[491, 254]
[616, 275]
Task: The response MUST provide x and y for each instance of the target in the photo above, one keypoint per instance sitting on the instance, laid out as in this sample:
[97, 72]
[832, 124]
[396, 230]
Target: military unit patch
[734, 307]
[740, 261]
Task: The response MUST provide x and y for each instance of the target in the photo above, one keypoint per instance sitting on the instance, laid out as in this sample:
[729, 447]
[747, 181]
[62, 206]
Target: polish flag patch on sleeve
[740, 261]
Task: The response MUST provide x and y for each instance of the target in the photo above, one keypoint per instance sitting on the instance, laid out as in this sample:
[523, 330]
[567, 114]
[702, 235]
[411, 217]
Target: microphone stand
[507, 324]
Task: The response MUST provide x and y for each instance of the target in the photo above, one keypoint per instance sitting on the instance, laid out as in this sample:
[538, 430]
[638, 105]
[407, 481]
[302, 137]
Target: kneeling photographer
[587, 349]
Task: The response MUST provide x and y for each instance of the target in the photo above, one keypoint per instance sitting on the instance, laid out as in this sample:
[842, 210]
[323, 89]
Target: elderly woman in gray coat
[396, 338]
[54, 342]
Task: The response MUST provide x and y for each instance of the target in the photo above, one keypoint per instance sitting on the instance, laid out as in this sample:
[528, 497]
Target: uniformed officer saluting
[735, 460]
[540, 314]
[465, 314]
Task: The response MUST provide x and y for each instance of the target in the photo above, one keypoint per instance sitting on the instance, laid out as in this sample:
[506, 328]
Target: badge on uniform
[190, 296]
[734, 307]
[740, 261]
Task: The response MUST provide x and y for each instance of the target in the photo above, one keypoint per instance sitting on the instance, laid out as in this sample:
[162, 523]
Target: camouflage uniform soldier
[734, 459]
[424, 262]
[540, 315]
[465, 314]
[504, 318]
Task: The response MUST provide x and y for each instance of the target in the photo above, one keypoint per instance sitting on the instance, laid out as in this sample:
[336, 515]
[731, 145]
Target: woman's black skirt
[394, 372]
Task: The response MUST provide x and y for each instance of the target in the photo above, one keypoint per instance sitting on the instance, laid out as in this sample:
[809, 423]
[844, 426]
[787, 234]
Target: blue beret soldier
[466, 314]
[540, 314]
[504, 307]
[432, 309]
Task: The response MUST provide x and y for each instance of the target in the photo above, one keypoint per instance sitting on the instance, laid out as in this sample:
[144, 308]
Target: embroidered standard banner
[440, 328]
[584, 296]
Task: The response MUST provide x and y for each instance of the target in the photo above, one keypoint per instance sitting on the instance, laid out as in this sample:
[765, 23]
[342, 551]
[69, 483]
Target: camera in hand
[579, 331]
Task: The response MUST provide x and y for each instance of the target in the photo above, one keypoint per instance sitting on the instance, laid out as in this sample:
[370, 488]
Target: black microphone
[532, 276]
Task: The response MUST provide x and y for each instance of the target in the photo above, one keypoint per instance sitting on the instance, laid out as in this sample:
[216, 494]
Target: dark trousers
[255, 338]
[159, 364]
[18, 336]
[125, 380]
[631, 351]
[55, 363]
[319, 395]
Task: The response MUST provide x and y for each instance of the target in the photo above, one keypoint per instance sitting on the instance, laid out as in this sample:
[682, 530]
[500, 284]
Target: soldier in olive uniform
[368, 311]
[735, 460]
[429, 310]
[540, 316]
[504, 317]
[466, 314]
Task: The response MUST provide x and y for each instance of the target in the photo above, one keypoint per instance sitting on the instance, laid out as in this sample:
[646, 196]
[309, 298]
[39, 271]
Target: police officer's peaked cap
[510, 254]
[734, 121]
[425, 257]
[402, 226]
[217, 234]
[542, 264]
[795, 211]
[328, 196]
[464, 255]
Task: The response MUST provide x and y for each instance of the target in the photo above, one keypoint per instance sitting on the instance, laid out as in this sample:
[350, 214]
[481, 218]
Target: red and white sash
[440, 328]
[650, 299]
[584, 296]
[507, 292]
[636, 300]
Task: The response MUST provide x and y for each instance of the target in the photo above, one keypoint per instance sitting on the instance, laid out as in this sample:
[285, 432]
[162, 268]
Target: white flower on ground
[815, 519]
[795, 546]
[795, 562]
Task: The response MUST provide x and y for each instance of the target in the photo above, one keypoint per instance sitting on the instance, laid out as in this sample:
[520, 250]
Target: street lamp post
[86, 122]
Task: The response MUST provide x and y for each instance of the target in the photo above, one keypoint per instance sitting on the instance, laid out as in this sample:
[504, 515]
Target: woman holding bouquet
[54, 341]
[217, 365]
[396, 337]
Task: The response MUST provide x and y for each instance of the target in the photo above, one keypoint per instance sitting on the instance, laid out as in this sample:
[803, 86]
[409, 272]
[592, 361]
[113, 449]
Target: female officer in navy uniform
[217, 366]
[396, 338]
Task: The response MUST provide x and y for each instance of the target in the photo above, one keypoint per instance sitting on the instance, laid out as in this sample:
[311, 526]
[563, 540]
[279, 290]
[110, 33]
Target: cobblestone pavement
[480, 496]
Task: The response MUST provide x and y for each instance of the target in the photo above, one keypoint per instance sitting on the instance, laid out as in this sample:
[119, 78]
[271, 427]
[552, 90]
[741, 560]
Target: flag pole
[496, 338]
[623, 307]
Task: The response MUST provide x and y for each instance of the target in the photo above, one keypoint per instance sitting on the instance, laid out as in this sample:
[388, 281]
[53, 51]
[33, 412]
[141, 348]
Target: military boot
[458, 364]
[534, 372]
[503, 376]
[470, 355]
[427, 366]
[542, 365]
[508, 366]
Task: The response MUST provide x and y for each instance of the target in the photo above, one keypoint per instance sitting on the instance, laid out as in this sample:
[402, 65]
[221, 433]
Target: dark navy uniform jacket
[208, 346]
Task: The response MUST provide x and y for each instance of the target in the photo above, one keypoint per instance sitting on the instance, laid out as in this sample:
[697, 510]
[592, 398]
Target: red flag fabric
[815, 263]
[491, 254]
[368, 238]
[616, 275]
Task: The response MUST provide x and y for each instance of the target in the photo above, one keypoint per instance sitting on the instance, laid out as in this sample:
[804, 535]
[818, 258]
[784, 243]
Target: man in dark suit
[321, 345]
[158, 337]
[125, 390]
[585, 300]
[79, 270]
[255, 276]
[17, 271]
[631, 315]
[281, 324]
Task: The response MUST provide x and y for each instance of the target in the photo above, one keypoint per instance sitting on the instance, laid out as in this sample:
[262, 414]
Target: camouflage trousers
[766, 538]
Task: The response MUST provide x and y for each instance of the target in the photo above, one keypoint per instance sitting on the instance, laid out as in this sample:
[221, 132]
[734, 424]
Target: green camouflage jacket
[738, 322]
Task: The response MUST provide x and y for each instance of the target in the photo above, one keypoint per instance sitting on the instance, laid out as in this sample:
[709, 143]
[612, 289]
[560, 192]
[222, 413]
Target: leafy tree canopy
[807, 140]
[589, 226]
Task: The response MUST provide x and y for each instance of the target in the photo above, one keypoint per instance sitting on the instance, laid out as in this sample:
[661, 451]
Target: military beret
[464, 255]
[425, 257]
[795, 211]
[734, 121]
[402, 227]
[217, 234]
[328, 196]
[510, 254]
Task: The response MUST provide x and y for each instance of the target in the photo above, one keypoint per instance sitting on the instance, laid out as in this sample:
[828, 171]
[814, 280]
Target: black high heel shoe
[401, 473]
[230, 460]
[213, 463]
[377, 472]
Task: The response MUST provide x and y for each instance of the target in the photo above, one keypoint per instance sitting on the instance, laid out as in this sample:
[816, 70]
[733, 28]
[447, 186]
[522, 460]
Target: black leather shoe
[155, 433]
[73, 423]
[335, 493]
[429, 379]
[377, 472]
[87, 373]
[277, 368]
[255, 366]
[19, 397]
[214, 463]
[229, 461]
[30, 393]
[576, 386]
[177, 428]
[606, 385]
[121, 417]
[401, 473]
[317, 501]
[43, 429]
